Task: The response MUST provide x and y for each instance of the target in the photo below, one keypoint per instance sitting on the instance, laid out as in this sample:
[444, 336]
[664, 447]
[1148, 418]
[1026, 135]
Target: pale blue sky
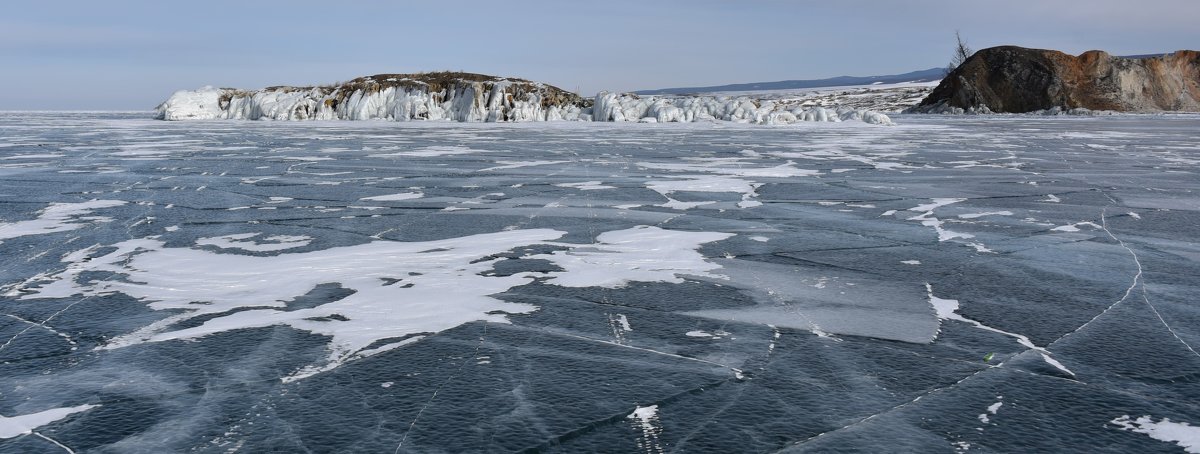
[130, 55]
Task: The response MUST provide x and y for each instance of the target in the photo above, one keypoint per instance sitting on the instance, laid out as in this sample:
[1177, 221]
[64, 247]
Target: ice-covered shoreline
[494, 100]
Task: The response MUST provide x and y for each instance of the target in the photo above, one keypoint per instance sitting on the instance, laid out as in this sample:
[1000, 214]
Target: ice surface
[848, 303]
[243, 297]
[1075, 227]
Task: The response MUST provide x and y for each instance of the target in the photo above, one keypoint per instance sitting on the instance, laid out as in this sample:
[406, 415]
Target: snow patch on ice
[58, 217]
[15, 426]
[1182, 434]
[586, 185]
[734, 168]
[639, 254]
[678, 205]
[991, 410]
[1075, 227]
[718, 334]
[704, 184]
[929, 220]
[1055, 363]
[394, 197]
[645, 420]
[504, 165]
[619, 325]
[936, 203]
[243, 241]
[989, 213]
[980, 247]
[947, 309]
[431, 152]
[400, 291]
[726, 175]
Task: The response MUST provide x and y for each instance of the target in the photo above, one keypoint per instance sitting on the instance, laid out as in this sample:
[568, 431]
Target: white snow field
[945, 284]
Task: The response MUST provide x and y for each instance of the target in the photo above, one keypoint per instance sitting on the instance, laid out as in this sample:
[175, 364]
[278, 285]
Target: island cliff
[1016, 79]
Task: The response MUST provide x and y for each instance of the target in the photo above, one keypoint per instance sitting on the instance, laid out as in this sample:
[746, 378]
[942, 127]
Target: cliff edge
[1015, 79]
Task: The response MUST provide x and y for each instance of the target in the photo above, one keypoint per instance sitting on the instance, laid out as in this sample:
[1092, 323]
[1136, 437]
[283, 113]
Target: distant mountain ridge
[926, 75]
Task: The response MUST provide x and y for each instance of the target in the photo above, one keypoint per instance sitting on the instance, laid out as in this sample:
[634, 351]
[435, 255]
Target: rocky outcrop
[1016, 80]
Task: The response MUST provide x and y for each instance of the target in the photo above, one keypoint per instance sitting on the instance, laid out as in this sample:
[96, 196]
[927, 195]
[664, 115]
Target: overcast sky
[130, 55]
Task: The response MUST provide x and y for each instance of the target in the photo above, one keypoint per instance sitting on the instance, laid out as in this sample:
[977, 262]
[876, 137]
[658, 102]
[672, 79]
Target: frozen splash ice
[399, 292]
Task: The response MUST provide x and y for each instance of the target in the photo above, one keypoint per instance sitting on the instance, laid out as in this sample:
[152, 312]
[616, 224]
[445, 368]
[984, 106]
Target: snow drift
[466, 97]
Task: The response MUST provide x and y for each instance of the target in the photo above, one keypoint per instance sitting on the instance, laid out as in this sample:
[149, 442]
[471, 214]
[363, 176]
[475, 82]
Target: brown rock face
[1016, 79]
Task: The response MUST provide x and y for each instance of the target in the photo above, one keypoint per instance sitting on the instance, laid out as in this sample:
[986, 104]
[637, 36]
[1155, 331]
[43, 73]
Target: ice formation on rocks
[477, 98]
[740, 109]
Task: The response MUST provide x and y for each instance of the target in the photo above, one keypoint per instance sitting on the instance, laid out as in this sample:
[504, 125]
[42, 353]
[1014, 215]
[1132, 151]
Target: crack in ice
[1137, 281]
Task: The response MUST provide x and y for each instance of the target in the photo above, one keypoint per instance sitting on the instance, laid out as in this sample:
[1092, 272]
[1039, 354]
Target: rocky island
[1011, 79]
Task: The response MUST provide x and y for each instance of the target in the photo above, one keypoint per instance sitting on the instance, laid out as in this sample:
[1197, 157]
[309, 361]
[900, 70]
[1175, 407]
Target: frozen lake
[950, 284]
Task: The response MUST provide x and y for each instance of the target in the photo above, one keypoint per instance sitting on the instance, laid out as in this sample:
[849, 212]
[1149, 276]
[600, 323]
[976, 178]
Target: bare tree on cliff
[961, 53]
